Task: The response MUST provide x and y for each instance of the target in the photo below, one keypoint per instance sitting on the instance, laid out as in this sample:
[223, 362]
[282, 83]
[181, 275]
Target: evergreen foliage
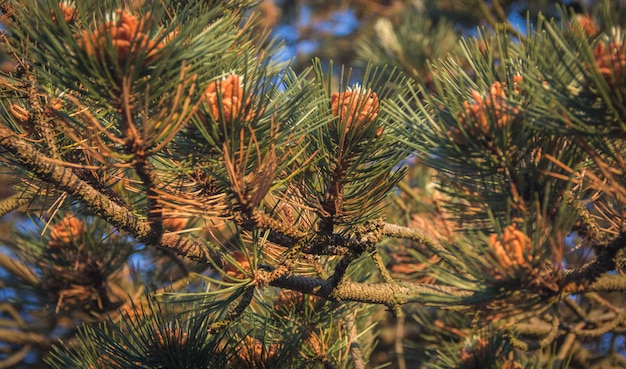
[182, 198]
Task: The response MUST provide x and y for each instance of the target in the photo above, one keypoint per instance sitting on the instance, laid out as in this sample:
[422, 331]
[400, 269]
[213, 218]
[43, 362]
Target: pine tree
[181, 198]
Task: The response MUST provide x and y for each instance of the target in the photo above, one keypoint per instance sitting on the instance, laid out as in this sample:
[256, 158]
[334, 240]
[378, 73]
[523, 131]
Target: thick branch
[608, 283]
[121, 217]
[234, 314]
[390, 294]
[396, 231]
[12, 202]
[590, 272]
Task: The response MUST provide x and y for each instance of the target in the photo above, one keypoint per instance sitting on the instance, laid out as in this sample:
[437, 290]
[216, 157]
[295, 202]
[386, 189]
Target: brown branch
[552, 334]
[398, 342]
[534, 327]
[119, 216]
[604, 328]
[390, 294]
[16, 268]
[24, 338]
[579, 279]
[39, 119]
[380, 264]
[12, 202]
[568, 343]
[234, 314]
[608, 283]
[575, 308]
[365, 240]
[281, 233]
[136, 145]
[16, 357]
[355, 347]
[396, 231]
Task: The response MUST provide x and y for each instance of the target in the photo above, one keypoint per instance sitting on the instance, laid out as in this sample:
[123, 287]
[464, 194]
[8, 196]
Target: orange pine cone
[126, 34]
[228, 92]
[358, 108]
[511, 248]
[68, 10]
[611, 61]
[66, 232]
[474, 118]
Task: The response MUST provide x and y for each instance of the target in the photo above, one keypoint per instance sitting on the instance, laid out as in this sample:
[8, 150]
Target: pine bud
[68, 10]
[357, 108]
[127, 36]
[511, 248]
[67, 232]
[474, 118]
[226, 96]
[610, 61]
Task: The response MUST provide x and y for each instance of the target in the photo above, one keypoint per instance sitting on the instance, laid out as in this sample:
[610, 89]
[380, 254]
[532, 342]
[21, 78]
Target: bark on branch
[121, 217]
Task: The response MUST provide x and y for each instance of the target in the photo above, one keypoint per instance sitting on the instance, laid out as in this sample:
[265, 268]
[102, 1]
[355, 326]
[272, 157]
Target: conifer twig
[17, 357]
[16, 268]
[390, 294]
[397, 231]
[234, 314]
[590, 272]
[355, 347]
[136, 146]
[119, 216]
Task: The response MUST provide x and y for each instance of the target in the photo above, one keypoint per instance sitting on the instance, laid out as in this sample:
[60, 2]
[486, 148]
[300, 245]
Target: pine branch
[397, 231]
[16, 268]
[281, 233]
[355, 347]
[390, 294]
[25, 338]
[236, 313]
[63, 178]
[581, 278]
[17, 357]
[612, 324]
[38, 117]
[12, 202]
[608, 283]
[121, 217]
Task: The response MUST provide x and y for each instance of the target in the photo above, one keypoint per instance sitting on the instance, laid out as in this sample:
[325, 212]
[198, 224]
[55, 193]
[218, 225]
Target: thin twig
[399, 347]
[604, 328]
[575, 308]
[17, 269]
[16, 357]
[378, 260]
[568, 342]
[552, 334]
[234, 314]
[355, 347]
